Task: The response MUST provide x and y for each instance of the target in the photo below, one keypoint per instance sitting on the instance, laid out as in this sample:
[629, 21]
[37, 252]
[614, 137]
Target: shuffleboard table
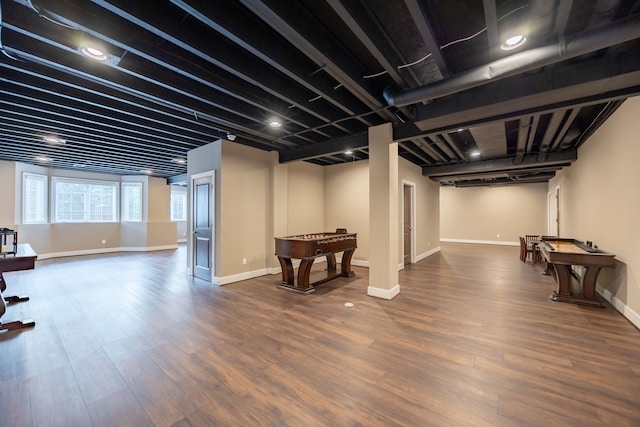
[561, 254]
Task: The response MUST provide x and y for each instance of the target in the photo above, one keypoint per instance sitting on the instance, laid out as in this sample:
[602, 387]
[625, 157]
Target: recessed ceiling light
[147, 171]
[54, 140]
[348, 152]
[94, 52]
[43, 159]
[475, 153]
[514, 42]
[179, 161]
[275, 123]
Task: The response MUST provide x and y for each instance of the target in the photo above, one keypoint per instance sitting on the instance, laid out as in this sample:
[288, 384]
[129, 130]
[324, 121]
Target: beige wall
[245, 213]
[346, 195]
[58, 239]
[7, 195]
[427, 208]
[600, 201]
[305, 198]
[497, 215]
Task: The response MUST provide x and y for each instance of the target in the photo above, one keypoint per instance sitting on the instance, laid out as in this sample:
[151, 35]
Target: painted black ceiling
[181, 74]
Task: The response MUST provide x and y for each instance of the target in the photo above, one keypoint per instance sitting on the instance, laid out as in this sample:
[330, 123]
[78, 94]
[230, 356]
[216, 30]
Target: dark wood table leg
[12, 326]
[287, 271]
[11, 298]
[589, 286]
[288, 277]
[563, 293]
[563, 281]
[346, 263]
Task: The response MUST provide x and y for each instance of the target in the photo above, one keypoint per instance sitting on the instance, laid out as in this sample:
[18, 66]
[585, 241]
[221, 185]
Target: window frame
[124, 217]
[182, 195]
[44, 197]
[87, 202]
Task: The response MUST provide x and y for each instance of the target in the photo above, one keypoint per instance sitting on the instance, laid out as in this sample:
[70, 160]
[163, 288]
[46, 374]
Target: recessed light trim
[94, 53]
[54, 140]
[514, 42]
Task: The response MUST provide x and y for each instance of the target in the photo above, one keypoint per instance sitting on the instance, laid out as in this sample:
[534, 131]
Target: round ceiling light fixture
[54, 140]
[275, 123]
[514, 42]
[94, 52]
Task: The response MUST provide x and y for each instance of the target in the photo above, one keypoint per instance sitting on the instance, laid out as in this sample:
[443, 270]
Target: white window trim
[183, 194]
[123, 202]
[56, 179]
[45, 178]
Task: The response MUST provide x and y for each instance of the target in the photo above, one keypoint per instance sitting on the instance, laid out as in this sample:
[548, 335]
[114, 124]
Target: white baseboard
[481, 242]
[627, 312]
[360, 263]
[387, 294]
[427, 254]
[241, 276]
[105, 251]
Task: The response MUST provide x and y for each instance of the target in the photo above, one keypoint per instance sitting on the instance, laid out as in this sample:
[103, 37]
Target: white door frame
[412, 187]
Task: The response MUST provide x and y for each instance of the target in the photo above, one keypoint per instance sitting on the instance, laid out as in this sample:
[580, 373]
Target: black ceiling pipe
[589, 41]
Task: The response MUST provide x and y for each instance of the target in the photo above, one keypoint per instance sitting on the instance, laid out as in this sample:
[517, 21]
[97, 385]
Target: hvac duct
[589, 41]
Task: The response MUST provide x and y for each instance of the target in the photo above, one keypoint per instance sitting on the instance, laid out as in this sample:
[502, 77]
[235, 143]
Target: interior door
[406, 221]
[558, 211]
[203, 228]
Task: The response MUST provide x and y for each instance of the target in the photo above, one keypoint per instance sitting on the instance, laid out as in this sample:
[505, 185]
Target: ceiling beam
[499, 165]
[357, 25]
[323, 50]
[335, 146]
[491, 20]
[584, 82]
[222, 17]
[428, 35]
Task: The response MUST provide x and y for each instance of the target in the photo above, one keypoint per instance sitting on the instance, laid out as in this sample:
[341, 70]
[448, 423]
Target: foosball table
[308, 247]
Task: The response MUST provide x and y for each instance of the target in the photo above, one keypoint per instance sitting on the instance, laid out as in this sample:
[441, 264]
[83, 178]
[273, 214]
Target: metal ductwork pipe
[601, 37]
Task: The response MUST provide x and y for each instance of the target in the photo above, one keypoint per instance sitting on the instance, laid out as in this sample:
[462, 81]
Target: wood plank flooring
[472, 340]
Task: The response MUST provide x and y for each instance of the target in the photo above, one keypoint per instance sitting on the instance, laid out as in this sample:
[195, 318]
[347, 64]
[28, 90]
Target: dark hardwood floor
[472, 340]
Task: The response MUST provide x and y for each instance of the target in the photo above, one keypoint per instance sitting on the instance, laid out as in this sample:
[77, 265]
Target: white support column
[383, 213]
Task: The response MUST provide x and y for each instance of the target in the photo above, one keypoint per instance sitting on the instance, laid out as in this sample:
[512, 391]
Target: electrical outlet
[244, 260]
[498, 236]
[104, 242]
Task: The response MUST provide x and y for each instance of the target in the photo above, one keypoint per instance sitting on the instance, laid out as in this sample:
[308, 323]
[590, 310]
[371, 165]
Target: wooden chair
[532, 247]
[526, 249]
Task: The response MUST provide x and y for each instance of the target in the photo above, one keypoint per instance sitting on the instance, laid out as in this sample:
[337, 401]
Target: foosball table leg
[18, 324]
[15, 298]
